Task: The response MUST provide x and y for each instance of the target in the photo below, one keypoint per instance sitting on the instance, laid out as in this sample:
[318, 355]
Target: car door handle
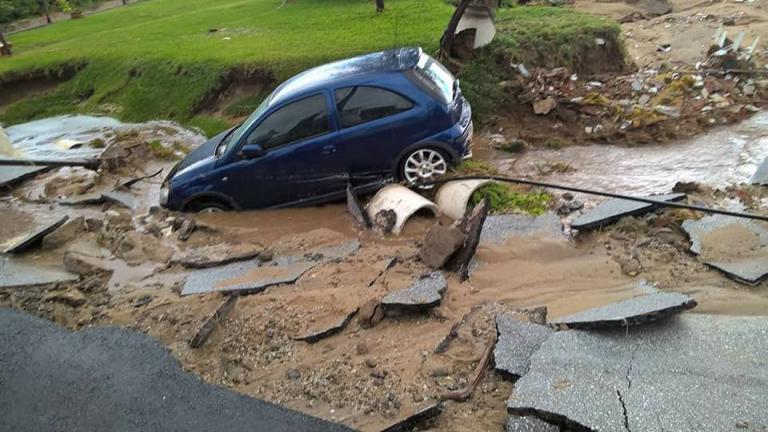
[329, 149]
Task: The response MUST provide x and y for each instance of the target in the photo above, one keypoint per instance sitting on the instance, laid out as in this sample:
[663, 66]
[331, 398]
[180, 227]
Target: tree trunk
[379, 5]
[5, 49]
[446, 42]
[125, 2]
[44, 10]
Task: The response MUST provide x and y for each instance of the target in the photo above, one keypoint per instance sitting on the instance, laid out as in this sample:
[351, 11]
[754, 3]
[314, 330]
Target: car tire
[207, 207]
[424, 163]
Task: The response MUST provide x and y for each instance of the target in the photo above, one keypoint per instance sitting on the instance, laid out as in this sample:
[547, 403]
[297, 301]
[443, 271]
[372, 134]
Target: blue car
[361, 121]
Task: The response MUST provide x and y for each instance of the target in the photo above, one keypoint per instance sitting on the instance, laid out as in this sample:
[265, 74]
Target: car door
[299, 162]
[375, 125]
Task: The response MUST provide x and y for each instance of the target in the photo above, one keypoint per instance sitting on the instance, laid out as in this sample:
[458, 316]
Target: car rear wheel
[423, 165]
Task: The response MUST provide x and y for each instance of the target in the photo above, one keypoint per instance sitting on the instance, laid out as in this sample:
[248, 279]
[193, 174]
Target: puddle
[68, 137]
[722, 157]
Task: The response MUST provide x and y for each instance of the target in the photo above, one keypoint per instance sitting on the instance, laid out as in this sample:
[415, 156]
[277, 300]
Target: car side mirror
[251, 151]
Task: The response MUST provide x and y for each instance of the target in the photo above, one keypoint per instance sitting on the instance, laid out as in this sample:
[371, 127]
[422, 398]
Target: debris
[186, 229]
[737, 247]
[688, 373]
[610, 211]
[497, 228]
[472, 226]
[425, 292]
[403, 201]
[421, 414]
[439, 244]
[209, 324]
[216, 255]
[120, 197]
[356, 209]
[452, 197]
[528, 424]
[66, 232]
[371, 313]
[15, 273]
[133, 181]
[482, 365]
[388, 264]
[384, 221]
[13, 174]
[87, 199]
[761, 175]
[80, 263]
[71, 297]
[518, 340]
[331, 330]
[544, 106]
[631, 312]
[255, 276]
[112, 378]
[20, 245]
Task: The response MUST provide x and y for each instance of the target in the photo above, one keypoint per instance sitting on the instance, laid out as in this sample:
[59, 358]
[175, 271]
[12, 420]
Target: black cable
[600, 193]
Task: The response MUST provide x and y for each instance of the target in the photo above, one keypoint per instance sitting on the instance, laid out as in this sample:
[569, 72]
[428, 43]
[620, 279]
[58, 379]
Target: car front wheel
[423, 165]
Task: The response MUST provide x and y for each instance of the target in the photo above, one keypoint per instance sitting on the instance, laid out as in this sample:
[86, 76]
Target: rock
[686, 187]
[630, 266]
[384, 221]
[644, 99]
[82, 264]
[117, 218]
[293, 374]
[186, 229]
[71, 229]
[439, 244]
[217, 254]
[93, 224]
[370, 313]
[544, 106]
[71, 297]
[667, 111]
[362, 348]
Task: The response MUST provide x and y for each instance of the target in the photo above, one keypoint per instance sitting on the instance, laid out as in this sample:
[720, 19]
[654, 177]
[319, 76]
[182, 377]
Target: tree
[379, 5]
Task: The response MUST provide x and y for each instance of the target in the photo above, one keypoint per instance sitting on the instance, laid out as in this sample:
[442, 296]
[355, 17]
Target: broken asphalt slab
[744, 244]
[425, 292]
[14, 274]
[216, 254]
[528, 424]
[316, 335]
[761, 175]
[498, 228]
[36, 235]
[254, 276]
[421, 414]
[691, 372]
[120, 197]
[114, 379]
[14, 174]
[634, 311]
[209, 324]
[518, 340]
[610, 211]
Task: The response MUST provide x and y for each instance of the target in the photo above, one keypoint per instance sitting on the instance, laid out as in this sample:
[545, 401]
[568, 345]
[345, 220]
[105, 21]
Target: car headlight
[164, 195]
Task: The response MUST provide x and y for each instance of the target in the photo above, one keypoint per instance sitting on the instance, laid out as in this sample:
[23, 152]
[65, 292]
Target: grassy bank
[167, 58]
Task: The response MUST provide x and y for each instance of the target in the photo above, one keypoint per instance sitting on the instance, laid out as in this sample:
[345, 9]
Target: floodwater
[70, 137]
[724, 156]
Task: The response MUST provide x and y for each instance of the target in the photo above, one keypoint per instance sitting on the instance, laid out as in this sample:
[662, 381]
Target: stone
[518, 340]
[610, 211]
[15, 274]
[384, 221]
[71, 297]
[528, 424]
[425, 292]
[371, 313]
[439, 245]
[216, 254]
[544, 106]
[83, 264]
[186, 229]
[630, 312]
[119, 380]
[691, 372]
[28, 240]
[65, 233]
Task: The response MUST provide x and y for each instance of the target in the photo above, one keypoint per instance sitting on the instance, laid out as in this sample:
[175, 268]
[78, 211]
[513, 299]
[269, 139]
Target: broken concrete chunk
[14, 274]
[692, 372]
[544, 106]
[425, 292]
[452, 198]
[66, 232]
[421, 414]
[209, 324]
[528, 424]
[761, 175]
[439, 244]
[71, 297]
[40, 231]
[497, 228]
[119, 197]
[111, 378]
[518, 340]
[737, 247]
[472, 227]
[403, 201]
[634, 311]
[608, 212]
[216, 255]
[14, 174]
[356, 209]
[254, 276]
[186, 229]
[87, 199]
[316, 335]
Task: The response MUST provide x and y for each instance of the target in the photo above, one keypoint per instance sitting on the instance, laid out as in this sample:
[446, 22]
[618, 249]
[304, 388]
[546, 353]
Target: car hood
[203, 152]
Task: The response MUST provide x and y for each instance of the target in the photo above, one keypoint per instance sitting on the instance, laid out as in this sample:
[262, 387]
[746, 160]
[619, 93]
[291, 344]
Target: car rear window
[362, 104]
[439, 79]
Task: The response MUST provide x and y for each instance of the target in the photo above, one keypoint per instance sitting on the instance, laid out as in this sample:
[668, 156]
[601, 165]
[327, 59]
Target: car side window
[294, 122]
[362, 104]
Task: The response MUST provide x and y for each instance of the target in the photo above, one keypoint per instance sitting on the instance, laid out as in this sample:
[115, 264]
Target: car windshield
[438, 76]
[238, 132]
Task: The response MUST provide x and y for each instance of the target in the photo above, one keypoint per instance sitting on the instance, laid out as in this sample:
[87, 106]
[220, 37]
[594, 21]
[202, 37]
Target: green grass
[210, 126]
[503, 198]
[158, 59]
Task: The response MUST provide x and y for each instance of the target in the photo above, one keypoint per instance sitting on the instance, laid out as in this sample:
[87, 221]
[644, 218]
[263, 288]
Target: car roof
[341, 72]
